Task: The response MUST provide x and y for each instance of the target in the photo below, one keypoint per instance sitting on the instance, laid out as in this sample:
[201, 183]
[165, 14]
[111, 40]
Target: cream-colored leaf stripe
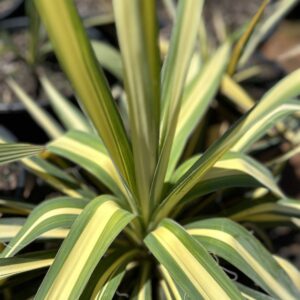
[245, 248]
[262, 125]
[49, 215]
[55, 177]
[40, 115]
[190, 265]
[236, 94]
[228, 239]
[247, 165]
[9, 231]
[196, 99]
[173, 77]
[43, 218]
[13, 266]
[287, 88]
[68, 113]
[290, 269]
[88, 151]
[171, 285]
[90, 236]
[284, 207]
[101, 282]
[233, 170]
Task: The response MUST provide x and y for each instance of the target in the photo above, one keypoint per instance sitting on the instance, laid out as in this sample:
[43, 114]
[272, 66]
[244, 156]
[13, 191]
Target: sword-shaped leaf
[235, 244]
[76, 56]
[174, 73]
[196, 99]
[25, 263]
[52, 214]
[139, 48]
[271, 107]
[88, 152]
[189, 263]
[89, 238]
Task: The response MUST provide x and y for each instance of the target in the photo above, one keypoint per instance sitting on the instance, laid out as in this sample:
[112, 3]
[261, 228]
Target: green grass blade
[190, 265]
[68, 114]
[83, 248]
[238, 246]
[174, 73]
[49, 125]
[34, 32]
[80, 64]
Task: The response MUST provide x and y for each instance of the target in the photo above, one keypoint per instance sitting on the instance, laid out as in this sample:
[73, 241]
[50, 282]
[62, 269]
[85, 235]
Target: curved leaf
[190, 265]
[88, 152]
[233, 170]
[83, 248]
[9, 228]
[256, 212]
[17, 265]
[236, 245]
[55, 213]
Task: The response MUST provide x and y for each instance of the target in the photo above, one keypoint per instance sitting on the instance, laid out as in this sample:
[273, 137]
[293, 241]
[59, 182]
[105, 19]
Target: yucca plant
[150, 235]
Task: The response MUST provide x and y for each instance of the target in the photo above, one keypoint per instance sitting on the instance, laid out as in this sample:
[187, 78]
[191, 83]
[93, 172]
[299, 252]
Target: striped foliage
[141, 212]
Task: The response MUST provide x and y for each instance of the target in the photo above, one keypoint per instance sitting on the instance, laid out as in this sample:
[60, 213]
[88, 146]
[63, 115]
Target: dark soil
[89, 8]
[9, 177]
[11, 65]
[5, 5]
